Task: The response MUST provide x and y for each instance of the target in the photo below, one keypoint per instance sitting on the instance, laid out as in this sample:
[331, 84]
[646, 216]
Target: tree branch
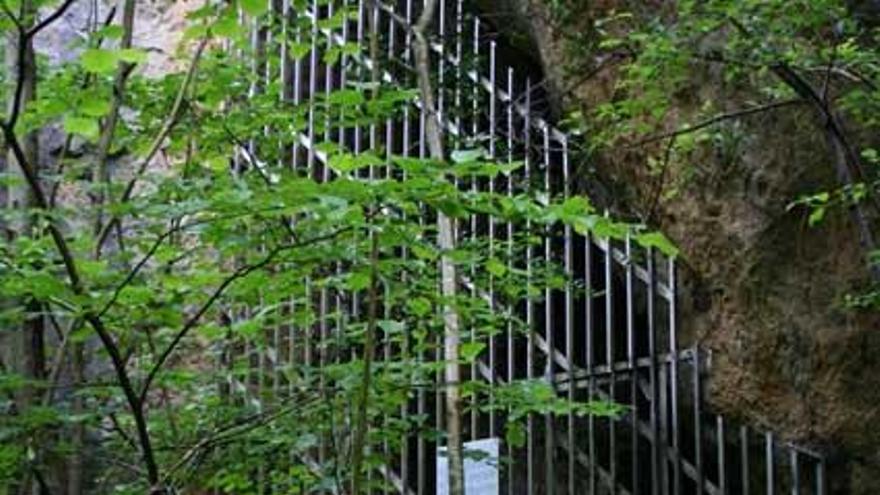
[89, 316]
[49, 19]
[218, 292]
[129, 278]
[156, 145]
[106, 139]
[715, 120]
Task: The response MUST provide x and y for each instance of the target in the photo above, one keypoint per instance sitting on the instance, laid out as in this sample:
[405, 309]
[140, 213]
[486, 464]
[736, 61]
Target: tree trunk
[446, 243]
[29, 351]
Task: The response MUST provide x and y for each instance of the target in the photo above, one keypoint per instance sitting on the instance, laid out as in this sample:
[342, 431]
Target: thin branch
[49, 19]
[234, 428]
[120, 80]
[11, 15]
[715, 120]
[121, 432]
[156, 145]
[129, 278]
[218, 292]
[68, 140]
[76, 284]
[661, 181]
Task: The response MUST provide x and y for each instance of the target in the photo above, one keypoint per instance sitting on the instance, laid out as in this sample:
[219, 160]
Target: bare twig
[715, 120]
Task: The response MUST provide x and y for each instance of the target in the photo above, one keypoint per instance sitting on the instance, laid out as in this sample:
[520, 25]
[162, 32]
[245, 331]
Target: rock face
[762, 290]
[158, 28]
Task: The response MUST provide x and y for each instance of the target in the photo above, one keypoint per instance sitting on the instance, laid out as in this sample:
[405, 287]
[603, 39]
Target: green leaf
[99, 61]
[515, 434]
[420, 306]
[496, 267]
[470, 350]
[346, 97]
[358, 281]
[132, 55]
[659, 241]
[94, 106]
[816, 216]
[254, 7]
[298, 50]
[112, 31]
[84, 126]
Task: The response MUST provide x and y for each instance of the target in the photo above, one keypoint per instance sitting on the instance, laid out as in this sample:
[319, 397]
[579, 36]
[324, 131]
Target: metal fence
[615, 338]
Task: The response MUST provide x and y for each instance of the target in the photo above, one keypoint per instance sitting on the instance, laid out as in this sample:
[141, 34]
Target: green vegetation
[687, 74]
[169, 237]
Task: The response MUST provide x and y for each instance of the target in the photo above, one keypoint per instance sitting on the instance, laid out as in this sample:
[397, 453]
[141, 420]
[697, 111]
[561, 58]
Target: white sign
[480, 468]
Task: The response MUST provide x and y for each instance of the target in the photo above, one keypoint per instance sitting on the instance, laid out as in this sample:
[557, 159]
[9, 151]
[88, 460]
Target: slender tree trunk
[361, 425]
[30, 359]
[103, 176]
[446, 242]
[75, 465]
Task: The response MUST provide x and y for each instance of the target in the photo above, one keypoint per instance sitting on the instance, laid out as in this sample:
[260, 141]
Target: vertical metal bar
[658, 461]
[313, 84]
[820, 477]
[722, 461]
[590, 343]
[609, 359]
[389, 151]
[475, 130]
[473, 225]
[297, 93]
[665, 442]
[421, 406]
[386, 447]
[795, 472]
[530, 316]
[698, 424]
[768, 458]
[328, 89]
[549, 448]
[633, 370]
[511, 340]
[343, 73]
[673, 350]
[744, 458]
[359, 36]
[569, 321]
[493, 100]
[322, 361]
[441, 64]
[374, 138]
[492, 340]
[389, 123]
[459, 50]
[407, 344]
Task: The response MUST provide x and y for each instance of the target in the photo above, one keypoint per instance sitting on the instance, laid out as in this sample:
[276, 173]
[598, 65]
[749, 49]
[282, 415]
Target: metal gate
[613, 339]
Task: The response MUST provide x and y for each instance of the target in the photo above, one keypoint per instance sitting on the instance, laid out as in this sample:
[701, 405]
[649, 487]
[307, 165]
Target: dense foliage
[162, 275]
[687, 75]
